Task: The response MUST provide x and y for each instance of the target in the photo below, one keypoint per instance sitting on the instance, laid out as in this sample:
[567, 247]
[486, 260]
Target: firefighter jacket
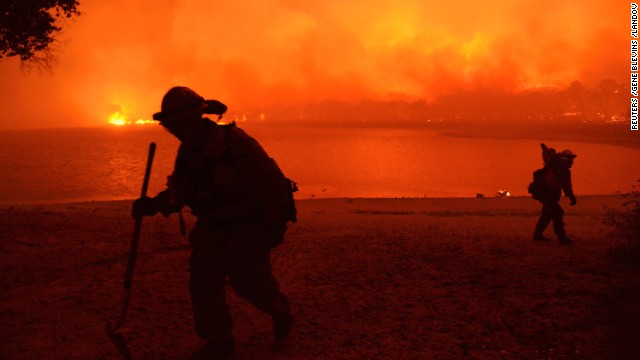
[229, 178]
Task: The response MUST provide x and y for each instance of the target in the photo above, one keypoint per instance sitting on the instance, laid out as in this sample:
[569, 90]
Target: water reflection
[108, 163]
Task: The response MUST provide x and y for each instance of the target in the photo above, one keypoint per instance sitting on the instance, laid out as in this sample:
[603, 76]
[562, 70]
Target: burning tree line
[605, 103]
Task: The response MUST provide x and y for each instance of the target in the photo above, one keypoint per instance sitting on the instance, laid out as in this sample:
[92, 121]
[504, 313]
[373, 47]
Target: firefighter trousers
[551, 211]
[240, 252]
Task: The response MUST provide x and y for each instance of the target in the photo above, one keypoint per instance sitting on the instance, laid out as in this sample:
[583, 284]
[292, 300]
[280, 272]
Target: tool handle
[136, 228]
[133, 250]
[147, 171]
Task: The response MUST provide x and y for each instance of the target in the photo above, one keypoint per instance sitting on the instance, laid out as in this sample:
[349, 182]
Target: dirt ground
[367, 278]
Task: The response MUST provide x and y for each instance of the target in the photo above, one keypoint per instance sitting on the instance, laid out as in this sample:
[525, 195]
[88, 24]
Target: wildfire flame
[120, 119]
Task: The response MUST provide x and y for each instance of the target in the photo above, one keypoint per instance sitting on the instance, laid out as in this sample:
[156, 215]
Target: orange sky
[123, 55]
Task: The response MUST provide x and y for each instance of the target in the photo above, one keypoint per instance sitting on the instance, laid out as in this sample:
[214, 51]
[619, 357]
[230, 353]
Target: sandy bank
[368, 278]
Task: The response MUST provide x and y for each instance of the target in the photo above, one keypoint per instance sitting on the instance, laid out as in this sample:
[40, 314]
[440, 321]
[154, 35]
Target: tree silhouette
[28, 27]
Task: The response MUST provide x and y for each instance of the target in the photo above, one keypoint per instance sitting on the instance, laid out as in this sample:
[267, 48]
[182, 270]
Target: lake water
[66, 165]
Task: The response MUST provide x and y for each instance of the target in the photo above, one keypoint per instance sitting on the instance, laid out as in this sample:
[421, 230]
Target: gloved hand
[144, 206]
[573, 201]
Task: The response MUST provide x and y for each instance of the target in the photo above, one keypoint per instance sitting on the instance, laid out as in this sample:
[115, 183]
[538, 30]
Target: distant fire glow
[119, 119]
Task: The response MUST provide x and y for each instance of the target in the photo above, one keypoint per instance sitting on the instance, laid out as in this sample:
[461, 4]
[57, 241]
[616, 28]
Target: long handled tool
[116, 337]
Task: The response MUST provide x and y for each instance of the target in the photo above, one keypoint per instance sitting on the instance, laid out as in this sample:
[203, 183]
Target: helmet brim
[207, 107]
[214, 107]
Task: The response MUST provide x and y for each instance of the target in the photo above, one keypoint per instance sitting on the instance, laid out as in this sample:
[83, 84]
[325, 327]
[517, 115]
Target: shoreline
[85, 203]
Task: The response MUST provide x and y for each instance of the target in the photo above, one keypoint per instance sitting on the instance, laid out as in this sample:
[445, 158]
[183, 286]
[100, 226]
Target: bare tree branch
[28, 28]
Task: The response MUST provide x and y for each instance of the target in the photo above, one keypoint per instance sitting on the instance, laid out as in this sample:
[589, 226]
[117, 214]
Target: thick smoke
[122, 55]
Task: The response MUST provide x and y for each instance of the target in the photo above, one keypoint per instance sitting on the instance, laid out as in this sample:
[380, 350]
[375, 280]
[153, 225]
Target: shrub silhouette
[624, 226]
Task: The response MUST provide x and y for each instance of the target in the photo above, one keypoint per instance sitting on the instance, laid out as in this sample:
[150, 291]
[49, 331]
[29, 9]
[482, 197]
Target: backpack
[538, 188]
[274, 190]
